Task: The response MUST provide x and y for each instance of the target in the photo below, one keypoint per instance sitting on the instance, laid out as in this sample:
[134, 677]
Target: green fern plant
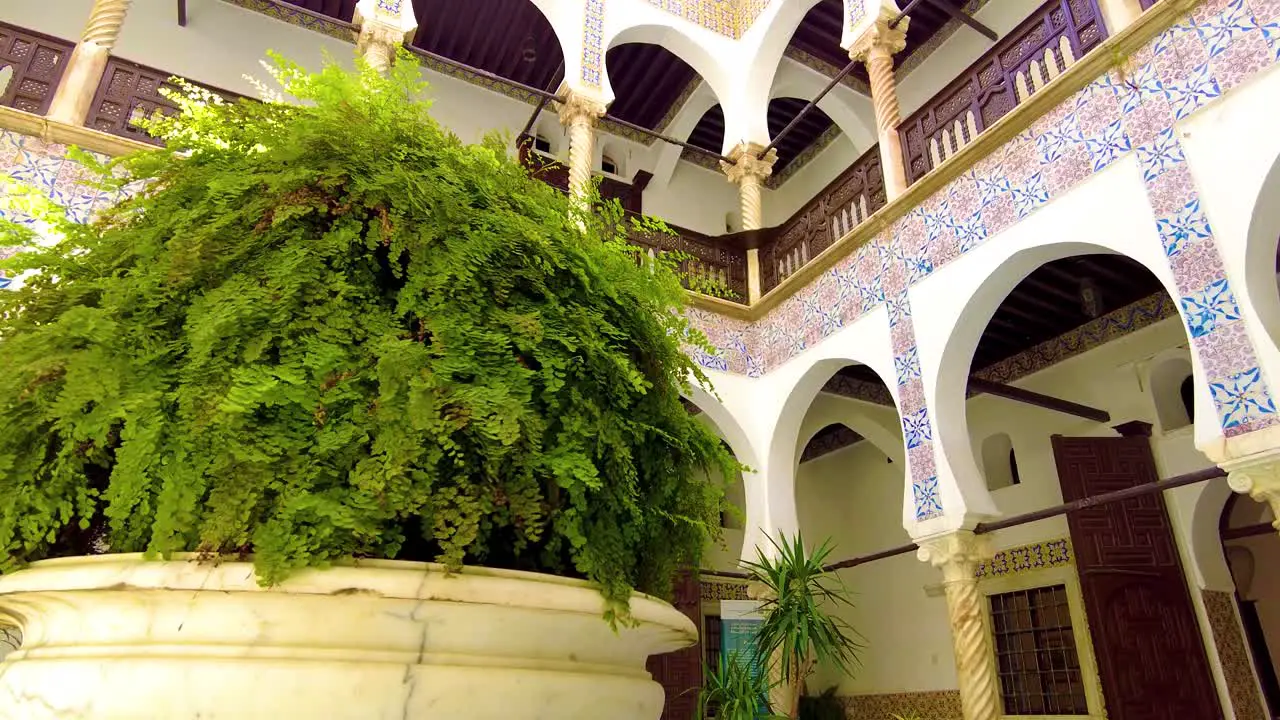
[799, 627]
[329, 329]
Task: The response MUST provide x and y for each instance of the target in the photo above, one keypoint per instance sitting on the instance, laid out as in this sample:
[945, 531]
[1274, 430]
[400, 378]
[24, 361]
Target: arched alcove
[1172, 388]
[999, 462]
[1251, 547]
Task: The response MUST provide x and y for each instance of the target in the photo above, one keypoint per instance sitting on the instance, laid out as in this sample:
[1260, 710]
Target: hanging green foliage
[328, 329]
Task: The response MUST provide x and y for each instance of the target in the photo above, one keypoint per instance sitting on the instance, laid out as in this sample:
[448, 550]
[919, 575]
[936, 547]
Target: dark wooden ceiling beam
[1029, 397]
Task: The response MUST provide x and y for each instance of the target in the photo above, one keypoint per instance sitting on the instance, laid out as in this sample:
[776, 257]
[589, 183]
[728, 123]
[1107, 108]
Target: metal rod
[664, 138]
[1047, 402]
[1105, 498]
[812, 104]
[864, 559]
[533, 117]
[905, 11]
[1190, 478]
[182, 13]
[482, 73]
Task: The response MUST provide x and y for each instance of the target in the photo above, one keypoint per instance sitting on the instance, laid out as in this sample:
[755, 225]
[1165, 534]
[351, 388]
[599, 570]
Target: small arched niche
[1000, 462]
[1173, 390]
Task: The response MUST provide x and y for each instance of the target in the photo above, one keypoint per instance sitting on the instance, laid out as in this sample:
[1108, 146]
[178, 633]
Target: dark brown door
[680, 672]
[1145, 635]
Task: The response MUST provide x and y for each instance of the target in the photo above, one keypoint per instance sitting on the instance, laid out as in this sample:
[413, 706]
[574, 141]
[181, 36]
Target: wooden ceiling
[511, 38]
[819, 32]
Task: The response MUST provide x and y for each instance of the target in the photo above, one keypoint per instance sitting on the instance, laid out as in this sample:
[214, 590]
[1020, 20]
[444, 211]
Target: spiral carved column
[749, 169]
[875, 48]
[79, 82]
[1259, 478]
[958, 555]
[579, 114]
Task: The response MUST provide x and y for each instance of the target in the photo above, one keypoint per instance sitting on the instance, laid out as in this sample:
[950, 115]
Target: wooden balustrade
[1038, 50]
[128, 92]
[830, 215]
[30, 66]
[716, 260]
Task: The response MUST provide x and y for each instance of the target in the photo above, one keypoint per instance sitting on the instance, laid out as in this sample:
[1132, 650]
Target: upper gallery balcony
[682, 81]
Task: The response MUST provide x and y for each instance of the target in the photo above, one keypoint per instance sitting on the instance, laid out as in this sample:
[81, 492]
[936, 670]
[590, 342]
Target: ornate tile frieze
[712, 588]
[1036, 556]
[301, 18]
[1096, 333]
[1233, 657]
[926, 705]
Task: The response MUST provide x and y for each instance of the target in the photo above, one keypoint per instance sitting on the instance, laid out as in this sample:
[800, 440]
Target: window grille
[1037, 662]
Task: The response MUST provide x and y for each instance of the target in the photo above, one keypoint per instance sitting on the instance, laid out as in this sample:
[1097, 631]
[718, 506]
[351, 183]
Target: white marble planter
[117, 637]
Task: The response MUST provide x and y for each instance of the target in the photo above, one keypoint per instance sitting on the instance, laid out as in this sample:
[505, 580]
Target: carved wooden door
[680, 672]
[1151, 657]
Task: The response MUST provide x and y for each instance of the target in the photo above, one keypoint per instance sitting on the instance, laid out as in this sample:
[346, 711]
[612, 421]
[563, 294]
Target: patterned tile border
[301, 18]
[1237, 668]
[1025, 558]
[712, 589]
[927, 705]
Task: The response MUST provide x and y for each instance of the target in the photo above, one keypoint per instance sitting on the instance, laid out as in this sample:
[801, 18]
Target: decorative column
[384, 25]
[750, 166]
[1258, 476]
[1119, 14]
[579, 113]
[75, 92]
[876, 48]
[958, 555]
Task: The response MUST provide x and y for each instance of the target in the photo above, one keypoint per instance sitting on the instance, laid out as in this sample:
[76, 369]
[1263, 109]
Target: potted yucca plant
[418, 414]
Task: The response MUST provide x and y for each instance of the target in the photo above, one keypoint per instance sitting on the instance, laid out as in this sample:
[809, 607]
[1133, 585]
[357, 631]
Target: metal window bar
[1037, 663]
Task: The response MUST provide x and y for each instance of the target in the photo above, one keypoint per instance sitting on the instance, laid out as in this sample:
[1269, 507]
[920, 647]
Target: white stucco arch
[952, 308]
[851, 112]
[763, 48]
[1260, 255]
[702, 49]
[782, 400]
[877, 424]
[565, 18]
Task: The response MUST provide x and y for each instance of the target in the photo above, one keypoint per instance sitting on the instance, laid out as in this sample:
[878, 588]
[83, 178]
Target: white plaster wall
[854, 496]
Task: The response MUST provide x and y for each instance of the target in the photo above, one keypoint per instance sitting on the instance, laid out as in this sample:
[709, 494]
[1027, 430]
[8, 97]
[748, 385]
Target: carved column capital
[384, 25]
[879, 38]
[750, 166]
[957, 554]
[578, 108]
[1259, 478]
[749, 163]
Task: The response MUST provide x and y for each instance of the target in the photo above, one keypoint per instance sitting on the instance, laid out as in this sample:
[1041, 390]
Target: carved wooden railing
[128, 92]
[30, 66]
[1038, 50]
[712, 259]
[832, 213]
[556, 174]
